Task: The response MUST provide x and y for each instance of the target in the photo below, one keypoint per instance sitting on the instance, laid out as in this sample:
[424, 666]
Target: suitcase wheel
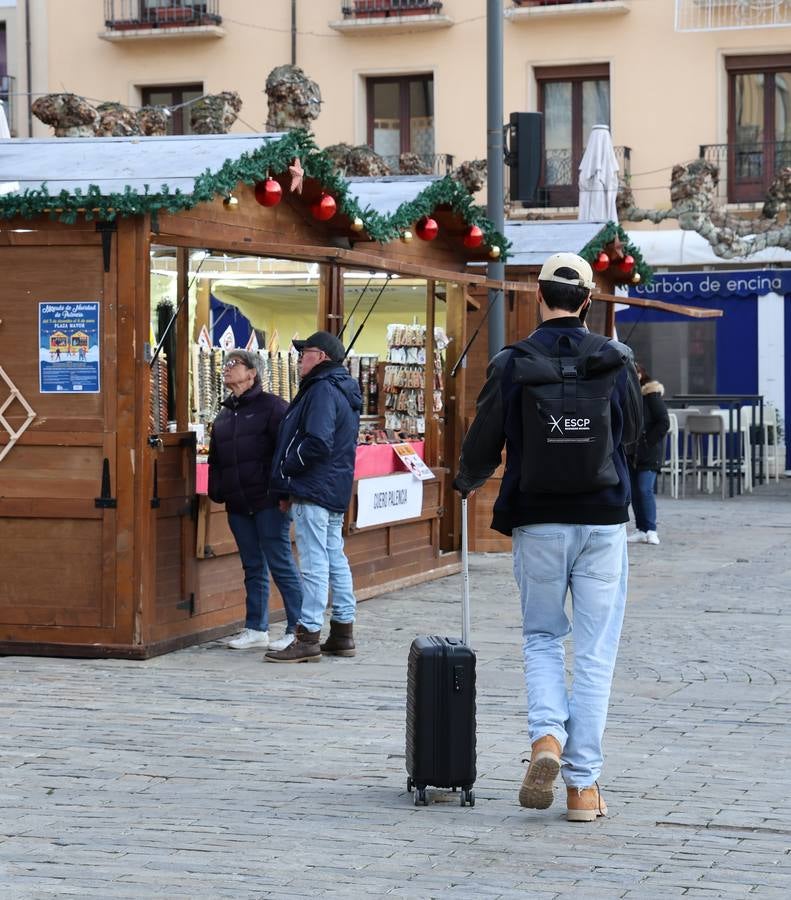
[421, 797]
[467, 796]
[410, 785]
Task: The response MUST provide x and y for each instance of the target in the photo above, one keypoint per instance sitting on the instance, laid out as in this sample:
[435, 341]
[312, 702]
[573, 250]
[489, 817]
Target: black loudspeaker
[525, 156]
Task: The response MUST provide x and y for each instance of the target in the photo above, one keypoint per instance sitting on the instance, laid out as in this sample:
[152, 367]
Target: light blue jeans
[591, 561]
[323, 565]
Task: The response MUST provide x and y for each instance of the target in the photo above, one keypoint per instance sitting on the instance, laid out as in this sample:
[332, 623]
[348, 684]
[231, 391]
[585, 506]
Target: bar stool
[710, 458]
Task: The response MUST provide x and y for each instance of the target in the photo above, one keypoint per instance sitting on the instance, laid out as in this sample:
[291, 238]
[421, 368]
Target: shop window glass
[681, 355]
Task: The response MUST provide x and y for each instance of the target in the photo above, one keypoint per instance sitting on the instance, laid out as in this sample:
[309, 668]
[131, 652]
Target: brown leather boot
[341, 639]
[536, 791]
[585, 804]
[304, 649]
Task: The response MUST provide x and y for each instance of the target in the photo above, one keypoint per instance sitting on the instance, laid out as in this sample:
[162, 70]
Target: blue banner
[690, 285]
[68, 348]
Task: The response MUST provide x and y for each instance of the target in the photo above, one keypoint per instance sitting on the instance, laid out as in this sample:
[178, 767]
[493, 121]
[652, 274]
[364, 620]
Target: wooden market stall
[108, 548]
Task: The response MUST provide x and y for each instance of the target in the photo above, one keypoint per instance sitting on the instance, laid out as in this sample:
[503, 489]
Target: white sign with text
[389, 498]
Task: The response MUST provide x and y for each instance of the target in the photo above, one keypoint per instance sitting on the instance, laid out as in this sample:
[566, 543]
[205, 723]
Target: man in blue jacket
[567, 535]
[313, 470]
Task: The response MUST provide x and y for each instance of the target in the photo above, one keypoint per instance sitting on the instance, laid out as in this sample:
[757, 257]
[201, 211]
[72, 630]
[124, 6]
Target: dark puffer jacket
[650, 449]
[317, 445]
[242, 445]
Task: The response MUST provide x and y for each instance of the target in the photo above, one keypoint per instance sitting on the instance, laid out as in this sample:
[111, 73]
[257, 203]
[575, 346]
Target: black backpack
[567, 445]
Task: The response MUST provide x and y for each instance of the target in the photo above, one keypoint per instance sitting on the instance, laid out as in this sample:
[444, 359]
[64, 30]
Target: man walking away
[314, 469]
[565, 404]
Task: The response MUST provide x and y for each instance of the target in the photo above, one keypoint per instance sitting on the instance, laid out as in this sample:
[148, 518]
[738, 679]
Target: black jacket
[317, 444]
[650, 450]
[242, 444]
[498, 422]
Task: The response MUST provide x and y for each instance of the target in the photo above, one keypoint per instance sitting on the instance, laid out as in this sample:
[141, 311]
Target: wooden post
[181, 362]
[431, 418]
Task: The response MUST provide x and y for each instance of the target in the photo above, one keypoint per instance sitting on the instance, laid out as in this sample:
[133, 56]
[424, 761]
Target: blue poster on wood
[68, 348]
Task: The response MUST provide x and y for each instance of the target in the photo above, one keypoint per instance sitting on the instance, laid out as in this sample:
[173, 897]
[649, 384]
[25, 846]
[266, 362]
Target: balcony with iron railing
[392, 16]
[523, 10]
[427, 164]
[7, 91]
[558, 185]
[124, 19]
[391, 7]
[723, 15]
[747, 169]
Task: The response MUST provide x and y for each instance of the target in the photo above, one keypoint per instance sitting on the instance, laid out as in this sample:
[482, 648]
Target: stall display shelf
[404, 384]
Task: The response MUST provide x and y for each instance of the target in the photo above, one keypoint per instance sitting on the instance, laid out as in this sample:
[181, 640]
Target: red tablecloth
[380, 459]
[372, 459]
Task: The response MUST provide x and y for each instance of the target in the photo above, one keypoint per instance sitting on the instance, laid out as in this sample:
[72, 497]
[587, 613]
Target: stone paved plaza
[204, 773]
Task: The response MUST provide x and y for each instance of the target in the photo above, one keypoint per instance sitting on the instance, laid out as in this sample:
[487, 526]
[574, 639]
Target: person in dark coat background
[243, 441]
[647, 459]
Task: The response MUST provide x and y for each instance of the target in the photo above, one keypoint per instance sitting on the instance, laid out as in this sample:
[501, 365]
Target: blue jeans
[643, 499]
[590, 560]
[323, 565]
[264, 544]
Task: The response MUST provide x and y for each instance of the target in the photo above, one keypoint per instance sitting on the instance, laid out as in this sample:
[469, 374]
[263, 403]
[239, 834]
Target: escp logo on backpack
[566, 393]
[565, 426]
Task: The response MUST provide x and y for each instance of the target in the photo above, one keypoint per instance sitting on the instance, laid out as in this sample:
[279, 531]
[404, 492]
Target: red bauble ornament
[269, 192]
[626, 264]
[427, 229]
[473, 237]
[601, 262]
[324, 208]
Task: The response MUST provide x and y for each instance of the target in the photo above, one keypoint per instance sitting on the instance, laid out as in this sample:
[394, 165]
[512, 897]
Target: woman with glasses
[240, 461]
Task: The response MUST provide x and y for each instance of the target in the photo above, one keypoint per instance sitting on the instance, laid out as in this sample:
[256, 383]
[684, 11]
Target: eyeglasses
[309, 350]
[231, 363]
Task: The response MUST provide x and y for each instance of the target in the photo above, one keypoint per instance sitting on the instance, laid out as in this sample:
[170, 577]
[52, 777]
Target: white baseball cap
[571, 261]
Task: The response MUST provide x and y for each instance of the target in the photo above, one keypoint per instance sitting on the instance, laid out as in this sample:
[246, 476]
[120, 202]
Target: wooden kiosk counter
[108, 548]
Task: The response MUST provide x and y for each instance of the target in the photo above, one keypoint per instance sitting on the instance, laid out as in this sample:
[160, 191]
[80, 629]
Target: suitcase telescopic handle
[465, 576]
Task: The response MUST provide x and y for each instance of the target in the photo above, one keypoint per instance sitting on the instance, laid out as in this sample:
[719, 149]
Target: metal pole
[495, 162]
[293, 32]
[28, 71]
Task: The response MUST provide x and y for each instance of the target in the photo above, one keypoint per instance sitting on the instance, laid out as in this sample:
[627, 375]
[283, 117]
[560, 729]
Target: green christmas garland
[607, 235]
[273, 157]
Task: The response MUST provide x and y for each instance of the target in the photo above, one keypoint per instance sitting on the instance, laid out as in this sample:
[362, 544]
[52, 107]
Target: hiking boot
[651, 537]
[639, 537]
[250, 638]
[304, 649]
[341, 639]
[281, 643]
[585, 804]
[536, 791]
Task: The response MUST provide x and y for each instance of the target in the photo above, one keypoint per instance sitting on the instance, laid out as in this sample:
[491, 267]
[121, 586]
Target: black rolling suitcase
[440, 708]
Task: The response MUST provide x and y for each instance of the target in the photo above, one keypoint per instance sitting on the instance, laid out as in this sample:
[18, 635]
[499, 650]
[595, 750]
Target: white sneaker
[281, 643]
[250, 638]
[639, 537]
[651, 537]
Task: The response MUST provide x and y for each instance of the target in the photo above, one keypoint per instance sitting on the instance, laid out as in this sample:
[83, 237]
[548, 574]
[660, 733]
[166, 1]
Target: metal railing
[559, 181]
[722, 15]
[747, 169]
[432, 164]
[123, 14]
[523, 3]
[7, 92]
[365, 8]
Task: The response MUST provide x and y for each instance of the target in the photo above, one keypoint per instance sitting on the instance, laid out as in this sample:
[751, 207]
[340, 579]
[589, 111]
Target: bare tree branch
[693, 203]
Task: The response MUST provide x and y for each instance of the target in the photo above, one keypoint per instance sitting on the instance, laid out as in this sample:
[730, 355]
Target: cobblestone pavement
[204, 773]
